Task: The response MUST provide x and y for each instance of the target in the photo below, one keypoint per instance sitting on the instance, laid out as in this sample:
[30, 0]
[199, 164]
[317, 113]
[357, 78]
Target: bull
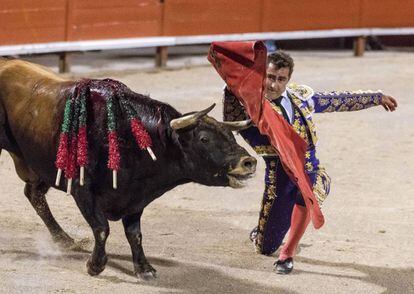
[189, 148]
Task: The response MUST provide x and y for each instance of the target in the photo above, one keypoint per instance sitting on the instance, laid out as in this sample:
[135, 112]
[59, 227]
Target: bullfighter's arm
[234, 111]
[351, 101]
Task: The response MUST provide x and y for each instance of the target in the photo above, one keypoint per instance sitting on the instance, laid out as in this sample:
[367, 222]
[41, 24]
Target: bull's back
[33, 104]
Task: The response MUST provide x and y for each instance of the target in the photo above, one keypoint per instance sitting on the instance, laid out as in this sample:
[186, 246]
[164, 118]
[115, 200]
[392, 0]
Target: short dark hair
[281, 59]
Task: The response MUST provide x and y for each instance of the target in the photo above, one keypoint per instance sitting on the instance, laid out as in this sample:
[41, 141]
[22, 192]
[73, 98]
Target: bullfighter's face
[276, 81]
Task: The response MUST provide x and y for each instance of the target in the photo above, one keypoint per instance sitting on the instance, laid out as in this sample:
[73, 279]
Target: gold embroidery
[322, 185]
[348, 100]
[262, 223]
[259, 242]
[267, 203]
[295, 99]
[266, 208]
[271, 192]
[323, 101]
[304, 92]
[309, 166]
[311, 127]
[277, 109]
[264, 149]
[336, 102]
[306, 112]
[300, 129]
[357, 106]
[364, 100]
[343, 108]
[297, 126]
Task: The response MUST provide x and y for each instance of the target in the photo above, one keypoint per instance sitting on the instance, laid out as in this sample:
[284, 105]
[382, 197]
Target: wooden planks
[34, 21]
[91, 20]
[50, 21]
[183, 17]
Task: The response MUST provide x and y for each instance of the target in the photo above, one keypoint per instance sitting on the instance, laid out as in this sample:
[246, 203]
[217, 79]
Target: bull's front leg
[95, 217]
[132, 227]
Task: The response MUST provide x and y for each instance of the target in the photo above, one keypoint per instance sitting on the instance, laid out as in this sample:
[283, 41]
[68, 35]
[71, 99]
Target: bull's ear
[238, 125]
[190, 119]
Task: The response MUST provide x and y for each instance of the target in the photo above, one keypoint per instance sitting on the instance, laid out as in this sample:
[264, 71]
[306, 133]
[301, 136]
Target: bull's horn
[189, 119]
[237, 125]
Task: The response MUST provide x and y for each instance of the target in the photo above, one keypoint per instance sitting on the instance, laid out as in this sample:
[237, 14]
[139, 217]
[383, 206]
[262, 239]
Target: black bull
[189, 148]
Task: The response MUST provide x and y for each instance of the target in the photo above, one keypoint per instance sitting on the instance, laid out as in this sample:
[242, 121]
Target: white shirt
[287, 105]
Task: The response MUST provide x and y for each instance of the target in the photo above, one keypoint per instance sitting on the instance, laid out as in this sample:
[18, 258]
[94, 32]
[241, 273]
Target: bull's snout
[248, 164]
[245, 166]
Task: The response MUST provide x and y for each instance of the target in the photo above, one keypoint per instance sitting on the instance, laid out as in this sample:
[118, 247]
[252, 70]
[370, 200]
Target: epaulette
[303, 92]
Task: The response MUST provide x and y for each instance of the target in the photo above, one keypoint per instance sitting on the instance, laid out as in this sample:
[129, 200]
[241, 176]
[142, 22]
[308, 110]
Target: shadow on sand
[177, 276]
[201, 279]
[395, 280]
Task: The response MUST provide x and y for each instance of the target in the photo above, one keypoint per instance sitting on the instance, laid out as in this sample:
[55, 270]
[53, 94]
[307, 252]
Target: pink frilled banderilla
[73, 143]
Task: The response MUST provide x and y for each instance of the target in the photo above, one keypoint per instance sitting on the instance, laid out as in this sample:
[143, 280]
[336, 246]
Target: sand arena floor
[197, 236]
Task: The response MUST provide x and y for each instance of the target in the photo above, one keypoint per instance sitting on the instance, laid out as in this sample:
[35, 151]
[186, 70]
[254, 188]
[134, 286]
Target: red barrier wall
[184, 17]
[387, 13]
[39, 21]
[297, 15]
[32, 21]
[106, 19]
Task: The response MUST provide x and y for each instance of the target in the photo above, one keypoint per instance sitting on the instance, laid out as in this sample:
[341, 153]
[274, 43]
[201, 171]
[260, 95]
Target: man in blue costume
[283, 207]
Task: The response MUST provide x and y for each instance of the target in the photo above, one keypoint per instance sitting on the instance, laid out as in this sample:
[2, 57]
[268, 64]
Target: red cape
[242, 65]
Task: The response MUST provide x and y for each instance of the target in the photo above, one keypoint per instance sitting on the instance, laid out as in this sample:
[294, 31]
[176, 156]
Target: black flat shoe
[284, 267]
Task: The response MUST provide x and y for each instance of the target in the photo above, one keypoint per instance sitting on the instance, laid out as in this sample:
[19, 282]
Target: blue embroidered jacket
[305, 102]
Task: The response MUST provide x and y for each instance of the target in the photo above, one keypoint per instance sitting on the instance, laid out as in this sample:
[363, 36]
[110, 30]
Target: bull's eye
[204, 139]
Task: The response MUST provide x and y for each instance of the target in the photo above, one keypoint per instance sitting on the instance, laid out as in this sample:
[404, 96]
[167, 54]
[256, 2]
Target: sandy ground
[197, 236]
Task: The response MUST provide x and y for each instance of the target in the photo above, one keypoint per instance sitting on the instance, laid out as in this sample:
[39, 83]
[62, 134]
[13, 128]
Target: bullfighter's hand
[389, 103]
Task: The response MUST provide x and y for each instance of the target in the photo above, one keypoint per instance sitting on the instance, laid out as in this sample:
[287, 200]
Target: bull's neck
[170, 168]
[169, 173]
[174, 165]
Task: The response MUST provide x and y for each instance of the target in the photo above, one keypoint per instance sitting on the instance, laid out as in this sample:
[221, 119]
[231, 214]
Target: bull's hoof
[94, 269]
[146, 273]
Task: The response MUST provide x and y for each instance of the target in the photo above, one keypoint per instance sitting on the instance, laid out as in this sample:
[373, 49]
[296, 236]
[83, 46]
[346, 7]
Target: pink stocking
[298, 224]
